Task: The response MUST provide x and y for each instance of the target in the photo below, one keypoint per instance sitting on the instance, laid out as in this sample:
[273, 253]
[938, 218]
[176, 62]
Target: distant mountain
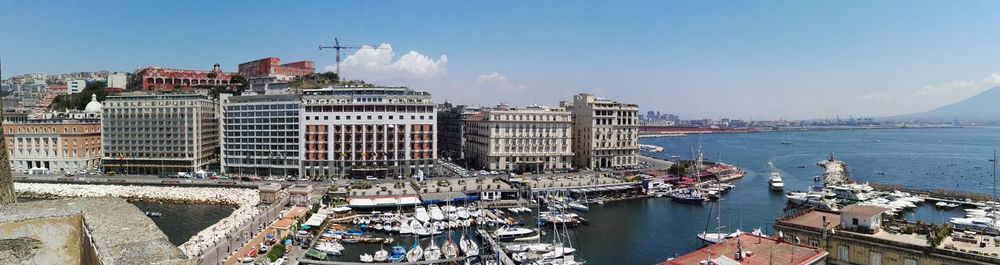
[982, 107]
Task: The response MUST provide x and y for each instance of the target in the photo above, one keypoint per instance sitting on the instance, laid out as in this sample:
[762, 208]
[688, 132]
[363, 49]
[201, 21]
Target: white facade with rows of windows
[532, 139]
[606, 132]
[260, 135]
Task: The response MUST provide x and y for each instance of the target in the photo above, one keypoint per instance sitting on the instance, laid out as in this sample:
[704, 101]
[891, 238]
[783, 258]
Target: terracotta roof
[759, 250]
[863, 210]
[813, 219]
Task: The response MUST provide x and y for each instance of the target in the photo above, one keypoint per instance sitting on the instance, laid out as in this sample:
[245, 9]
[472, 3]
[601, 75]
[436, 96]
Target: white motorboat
[432, 252]
[405, 228]
[462, 212]
[514, 233]
[415, 253]
[984, 225]
[775, 182]
[421, 214]
[946, 204]
[435, 212]
[366, 258]
[468, 246]
[578, 206]
[449, 249]
[330, 248]
[531, 247]
[381, 255]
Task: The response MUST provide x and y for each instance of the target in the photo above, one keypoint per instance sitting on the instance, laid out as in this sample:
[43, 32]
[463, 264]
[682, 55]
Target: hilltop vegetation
[78, 101]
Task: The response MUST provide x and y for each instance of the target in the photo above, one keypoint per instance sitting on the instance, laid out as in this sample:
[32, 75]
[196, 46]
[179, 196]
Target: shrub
[276, 252]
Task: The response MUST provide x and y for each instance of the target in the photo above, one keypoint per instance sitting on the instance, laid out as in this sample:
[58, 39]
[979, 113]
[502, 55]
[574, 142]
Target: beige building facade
[531, 139]
[41, 146]
[606, 132]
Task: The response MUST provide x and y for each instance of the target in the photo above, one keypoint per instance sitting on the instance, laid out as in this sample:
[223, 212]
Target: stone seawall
[245, 200]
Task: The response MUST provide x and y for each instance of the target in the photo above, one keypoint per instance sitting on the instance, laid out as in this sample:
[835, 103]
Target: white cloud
[380, 64]
[494, 77]
[964, 88]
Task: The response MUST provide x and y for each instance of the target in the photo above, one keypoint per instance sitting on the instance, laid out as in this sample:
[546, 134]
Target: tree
[276, 252]
[934, 237]
[331, 76]
[240, 81]
[78, 101]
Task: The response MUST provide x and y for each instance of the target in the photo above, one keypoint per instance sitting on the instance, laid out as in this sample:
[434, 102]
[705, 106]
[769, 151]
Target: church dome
[93, 106]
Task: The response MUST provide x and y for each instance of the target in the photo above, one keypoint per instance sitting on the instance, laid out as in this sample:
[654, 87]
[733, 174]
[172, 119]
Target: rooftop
[758, 249]
[863, 210]
[812, 219]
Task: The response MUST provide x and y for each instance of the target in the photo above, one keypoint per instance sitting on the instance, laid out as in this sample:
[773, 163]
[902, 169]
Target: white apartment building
[531, 139]
[260, 135]
[362, 131]
[117, 80]
[606, 132]
[159, 133]
[75, 86]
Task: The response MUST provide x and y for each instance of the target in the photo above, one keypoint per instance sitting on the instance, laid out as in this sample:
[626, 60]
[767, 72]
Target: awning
[341, 209]
[315, 220]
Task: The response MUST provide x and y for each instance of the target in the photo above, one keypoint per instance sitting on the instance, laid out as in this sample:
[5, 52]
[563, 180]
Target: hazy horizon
[698, 59]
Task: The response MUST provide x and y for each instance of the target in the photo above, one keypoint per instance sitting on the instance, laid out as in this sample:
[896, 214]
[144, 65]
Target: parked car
[371, 178]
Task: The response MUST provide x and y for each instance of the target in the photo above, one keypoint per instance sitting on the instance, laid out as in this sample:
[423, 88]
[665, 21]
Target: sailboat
[468, 246]
[449, 249]
[432, 252]
[416, 252]
[718, 236]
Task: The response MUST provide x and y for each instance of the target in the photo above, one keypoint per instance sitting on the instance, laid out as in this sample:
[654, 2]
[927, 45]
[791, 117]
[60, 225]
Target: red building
[164, 79]
[272, 66]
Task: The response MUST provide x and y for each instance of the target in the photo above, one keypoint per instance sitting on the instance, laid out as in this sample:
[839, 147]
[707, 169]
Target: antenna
[337, 47]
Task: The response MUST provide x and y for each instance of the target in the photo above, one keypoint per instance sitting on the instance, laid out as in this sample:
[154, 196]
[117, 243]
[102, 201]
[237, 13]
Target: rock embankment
[245, 200]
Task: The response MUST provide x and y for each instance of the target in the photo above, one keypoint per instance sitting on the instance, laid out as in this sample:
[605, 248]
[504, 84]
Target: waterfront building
[451, 130]
[75, 86]
[117, 80]
[605, 132]
[260, 135]
[159, 133]
[531, 139]
[53, 145]
[361, 131]
[854, 236]
[753, 249]
[164, 79]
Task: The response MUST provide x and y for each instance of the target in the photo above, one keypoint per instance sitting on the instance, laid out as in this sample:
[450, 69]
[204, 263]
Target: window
[909, 261]
[876, 258]
[854, 221]
[843, 253]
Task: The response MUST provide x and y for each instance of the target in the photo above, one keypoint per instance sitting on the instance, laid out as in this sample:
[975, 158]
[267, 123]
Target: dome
[93, 106]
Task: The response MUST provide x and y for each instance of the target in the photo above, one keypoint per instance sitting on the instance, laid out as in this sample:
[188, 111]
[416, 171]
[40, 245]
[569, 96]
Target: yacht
[578, 206]
[774, 181]
[433, 252]
[330, 248]
[983, 225]
[816, 199]
[515, 234]
[415, 253]
[366, 258]
[435, 212]
[449, 249]
[852, 192]
[468, 246]
[462, 212]
[688, 195]
[398, 254]
[421, 214]
[381, 255]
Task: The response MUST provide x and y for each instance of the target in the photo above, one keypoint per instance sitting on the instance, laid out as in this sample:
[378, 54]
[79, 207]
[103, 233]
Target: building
[57, 145]
[117, 80]
[451, 131]
[260, 135]
[158, 134]
[854, 236]
[748, 249]
[531, 139]
[76, 86]
[163, 79]
[268, 76]
[606, 132]
[272, 67]
[362, 131]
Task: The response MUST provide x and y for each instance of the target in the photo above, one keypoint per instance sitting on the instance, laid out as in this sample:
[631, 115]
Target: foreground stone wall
[56, 240]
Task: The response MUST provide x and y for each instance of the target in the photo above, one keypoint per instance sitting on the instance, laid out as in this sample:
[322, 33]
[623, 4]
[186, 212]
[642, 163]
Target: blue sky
[744, 59]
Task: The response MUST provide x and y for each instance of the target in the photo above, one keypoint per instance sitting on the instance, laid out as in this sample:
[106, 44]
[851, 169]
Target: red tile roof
[759, 250]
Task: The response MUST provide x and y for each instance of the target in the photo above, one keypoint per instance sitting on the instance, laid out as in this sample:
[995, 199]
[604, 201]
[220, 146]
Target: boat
[398, 254]
[432, 252]
[435, 212]
[462, 212]
[381, 255]
[468, 246]
[330, 248]
[507, 233]
[415, 253]
[946, 204]
[153, 214]
[421, 214]
[775, 182]
[983, 225]
[449, 249]
[688, 195]
[366, 258]
[578, 206]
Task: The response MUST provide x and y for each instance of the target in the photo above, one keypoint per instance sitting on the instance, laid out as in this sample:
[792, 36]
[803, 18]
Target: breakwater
[245, 201]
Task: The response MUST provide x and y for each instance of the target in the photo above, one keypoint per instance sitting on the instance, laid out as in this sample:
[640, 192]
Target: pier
[495, 246]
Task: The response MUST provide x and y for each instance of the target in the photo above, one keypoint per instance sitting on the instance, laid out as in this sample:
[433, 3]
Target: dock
[502, 256]
[438, 261]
